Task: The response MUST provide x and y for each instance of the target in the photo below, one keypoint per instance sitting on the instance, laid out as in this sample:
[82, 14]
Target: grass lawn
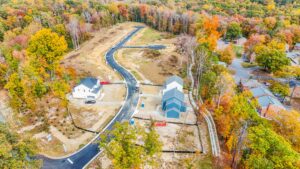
[248, 65]
[149, 36]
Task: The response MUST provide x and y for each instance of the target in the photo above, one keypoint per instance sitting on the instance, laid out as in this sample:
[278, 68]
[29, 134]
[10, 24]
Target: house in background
[260, 91]
[269, 104]
[297, 47]
[173, 97]
[294, 56]
[88, 88]
[173, 82]
[266, 100]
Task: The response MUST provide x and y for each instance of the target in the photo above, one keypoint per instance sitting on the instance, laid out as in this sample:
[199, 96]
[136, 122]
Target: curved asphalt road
[85, 155]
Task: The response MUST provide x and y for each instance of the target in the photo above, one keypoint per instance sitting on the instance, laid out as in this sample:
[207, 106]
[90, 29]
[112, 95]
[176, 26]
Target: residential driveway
[240, 71]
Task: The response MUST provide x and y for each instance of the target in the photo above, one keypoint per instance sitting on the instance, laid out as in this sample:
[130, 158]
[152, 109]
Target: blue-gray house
[173, 103]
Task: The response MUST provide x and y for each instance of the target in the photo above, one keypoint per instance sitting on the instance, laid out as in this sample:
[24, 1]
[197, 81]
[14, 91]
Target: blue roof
[265, 101]
[173, 100]
[89, 82]
[260, 91]
[172, 113]
[174, 78]
[173, 93]
[96, 90]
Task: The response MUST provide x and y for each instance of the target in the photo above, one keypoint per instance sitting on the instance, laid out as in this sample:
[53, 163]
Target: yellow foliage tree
[46, 49]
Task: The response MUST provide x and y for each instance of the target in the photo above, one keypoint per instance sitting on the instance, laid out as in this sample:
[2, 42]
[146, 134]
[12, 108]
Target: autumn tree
[207, 31]
[153, 146]
[227, 55]
[47, 48]
[16, 91]
[266, 149]
[272, 56]
[16, 152]
[282, 89]
[224, 84]
[251, 43]
[121, 146]
[286, 123]
[73, 27]
[233, 32]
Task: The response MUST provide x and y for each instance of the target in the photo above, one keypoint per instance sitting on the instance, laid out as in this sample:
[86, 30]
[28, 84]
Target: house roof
[265, 101]
[173, 93]
[97, 89]
[89, 82]
[297, 44]
[173, 109]
[173, 100]
[174, 79]
[260, 91]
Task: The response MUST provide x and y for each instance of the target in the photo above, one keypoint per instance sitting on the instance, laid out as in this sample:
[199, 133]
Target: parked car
[90, 102]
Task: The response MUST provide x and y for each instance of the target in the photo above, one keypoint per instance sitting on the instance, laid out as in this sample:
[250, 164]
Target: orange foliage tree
[207, 31]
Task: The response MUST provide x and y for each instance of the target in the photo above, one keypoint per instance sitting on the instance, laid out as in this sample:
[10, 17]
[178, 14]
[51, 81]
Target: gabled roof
[172, 109]
[89, 82]
[265, 101]
[173, 100]
[173, 93]
[96, 90]
[174, 79]
[260, 91]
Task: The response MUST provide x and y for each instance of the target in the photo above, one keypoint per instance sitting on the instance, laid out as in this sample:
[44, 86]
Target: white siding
[173, 85]
[82, 92]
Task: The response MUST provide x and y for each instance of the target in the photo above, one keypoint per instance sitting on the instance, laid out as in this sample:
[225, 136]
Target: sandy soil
[151, 98]
[146, 68]
[93, 117]
[89, 59]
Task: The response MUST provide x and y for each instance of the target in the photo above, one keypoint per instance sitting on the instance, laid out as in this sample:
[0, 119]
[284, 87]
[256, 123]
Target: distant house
[173, 103]
[297, 47]
[260, 91]
[173, 82]
[266, 100]
[295, 90]
[269, 104]
[294, 56]
[87, 88]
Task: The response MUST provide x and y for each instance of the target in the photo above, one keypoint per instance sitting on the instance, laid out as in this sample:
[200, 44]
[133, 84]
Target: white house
[87, 88]
[173, 82]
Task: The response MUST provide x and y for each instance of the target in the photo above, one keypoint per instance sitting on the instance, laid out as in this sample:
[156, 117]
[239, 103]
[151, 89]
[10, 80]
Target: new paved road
[86, 154]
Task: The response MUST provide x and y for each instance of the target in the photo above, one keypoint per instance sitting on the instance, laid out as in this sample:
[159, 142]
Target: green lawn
[248, 65]
[149, 36]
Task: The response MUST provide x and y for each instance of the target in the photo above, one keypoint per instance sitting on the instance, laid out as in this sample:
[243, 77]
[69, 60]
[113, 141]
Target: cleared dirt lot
[89, 59]
[67, 138]
[151, 99]
[149, 65]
